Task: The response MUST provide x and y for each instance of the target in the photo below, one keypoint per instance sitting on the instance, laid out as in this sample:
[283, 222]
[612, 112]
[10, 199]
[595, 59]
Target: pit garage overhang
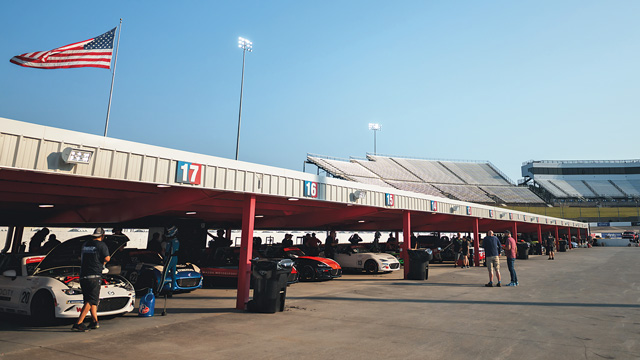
[111, 181]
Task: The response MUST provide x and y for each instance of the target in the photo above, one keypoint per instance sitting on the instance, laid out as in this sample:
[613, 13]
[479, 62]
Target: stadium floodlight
[375, 128]
[245, 45]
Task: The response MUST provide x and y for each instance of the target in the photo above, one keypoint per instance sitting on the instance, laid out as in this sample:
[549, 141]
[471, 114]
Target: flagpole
[113, 76]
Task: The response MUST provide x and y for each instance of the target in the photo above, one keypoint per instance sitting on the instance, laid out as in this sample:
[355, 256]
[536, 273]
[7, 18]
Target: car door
[15, 295]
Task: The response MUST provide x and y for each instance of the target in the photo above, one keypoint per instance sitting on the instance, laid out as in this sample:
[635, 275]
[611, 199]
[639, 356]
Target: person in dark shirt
[457, 249]
[330, 245]
[37, 239]
[465, 252]
[155, 244]
[220, 240]
[551, 243]
[492, 248]
[94, 256]
[50, 244]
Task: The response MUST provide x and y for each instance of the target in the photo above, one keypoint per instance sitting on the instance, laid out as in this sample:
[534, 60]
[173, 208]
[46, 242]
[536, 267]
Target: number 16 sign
[188, 173]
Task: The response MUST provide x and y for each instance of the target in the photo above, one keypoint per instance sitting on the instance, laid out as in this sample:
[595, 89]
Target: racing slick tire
[371, 267]
[42, 310]
[307, 273]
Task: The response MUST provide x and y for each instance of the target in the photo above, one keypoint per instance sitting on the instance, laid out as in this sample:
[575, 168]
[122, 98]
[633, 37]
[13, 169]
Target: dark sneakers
[79, 327]
[498, 284]
[489, 284]
[94, 325]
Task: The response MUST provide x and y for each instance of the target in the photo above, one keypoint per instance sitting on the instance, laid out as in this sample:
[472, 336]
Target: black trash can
[419, 264]
[269, 285]
[539, 248]
[523, 250]
[563, 245]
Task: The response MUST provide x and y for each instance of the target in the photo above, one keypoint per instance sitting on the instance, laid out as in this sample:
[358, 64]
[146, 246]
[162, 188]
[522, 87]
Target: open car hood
[68, 253]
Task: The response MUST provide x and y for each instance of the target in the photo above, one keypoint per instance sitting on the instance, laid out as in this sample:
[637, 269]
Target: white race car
[359, 258]
[48, 287]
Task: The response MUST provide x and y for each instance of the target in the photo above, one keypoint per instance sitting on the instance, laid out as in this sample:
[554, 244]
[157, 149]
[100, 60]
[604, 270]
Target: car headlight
[73, 291]
[429, 251]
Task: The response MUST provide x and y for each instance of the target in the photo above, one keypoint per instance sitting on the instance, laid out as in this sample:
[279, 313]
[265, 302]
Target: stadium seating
[513, 194]
[467, 181]
[630, 187]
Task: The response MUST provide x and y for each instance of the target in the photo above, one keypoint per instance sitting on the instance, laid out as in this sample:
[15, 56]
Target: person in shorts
[465, 252]
[551, 243]
[492, 248]
[94, 255]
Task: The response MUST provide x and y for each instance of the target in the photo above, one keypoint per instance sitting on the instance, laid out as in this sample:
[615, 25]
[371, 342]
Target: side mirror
[10, 273]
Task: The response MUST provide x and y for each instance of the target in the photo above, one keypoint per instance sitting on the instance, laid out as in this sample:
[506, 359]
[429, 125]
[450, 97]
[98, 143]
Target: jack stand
[164, 311]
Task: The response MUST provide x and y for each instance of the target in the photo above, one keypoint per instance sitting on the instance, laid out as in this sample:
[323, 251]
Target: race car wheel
[307, 273]
[42, 310]
[371, 267]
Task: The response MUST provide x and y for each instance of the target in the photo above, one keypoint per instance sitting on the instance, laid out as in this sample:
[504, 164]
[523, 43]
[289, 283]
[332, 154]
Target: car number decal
[25, 297]
[133, 277]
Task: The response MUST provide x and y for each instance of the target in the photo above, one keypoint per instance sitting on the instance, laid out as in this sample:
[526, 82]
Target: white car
[361, 259]
[48, 287]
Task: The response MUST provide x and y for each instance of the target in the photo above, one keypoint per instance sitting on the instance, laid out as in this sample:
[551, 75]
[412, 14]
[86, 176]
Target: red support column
[476, 243]
[579, 237]
[246, 249]
[569, 237]
[557, 240]
[540, 234]
[406, 236]
[514, 231]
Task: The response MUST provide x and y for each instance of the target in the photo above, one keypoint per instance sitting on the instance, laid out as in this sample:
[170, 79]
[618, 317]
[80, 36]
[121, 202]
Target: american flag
[94, 52]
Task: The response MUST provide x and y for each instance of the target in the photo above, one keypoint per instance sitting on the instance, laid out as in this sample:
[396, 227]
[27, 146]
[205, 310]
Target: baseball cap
[98, 232]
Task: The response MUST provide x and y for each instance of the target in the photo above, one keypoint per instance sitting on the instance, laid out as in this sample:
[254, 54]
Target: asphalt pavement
[583, 305]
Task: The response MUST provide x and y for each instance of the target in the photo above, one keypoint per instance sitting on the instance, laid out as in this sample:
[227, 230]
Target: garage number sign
[389, 199]
[311, 189]
[434, 206]
[468, 210]
[188, 173]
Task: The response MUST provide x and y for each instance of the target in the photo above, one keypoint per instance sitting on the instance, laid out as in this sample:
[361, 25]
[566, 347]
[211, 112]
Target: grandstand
[479, 182]
[584, 181]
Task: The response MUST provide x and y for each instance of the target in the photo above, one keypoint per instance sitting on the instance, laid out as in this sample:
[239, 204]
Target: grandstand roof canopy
[125, 182]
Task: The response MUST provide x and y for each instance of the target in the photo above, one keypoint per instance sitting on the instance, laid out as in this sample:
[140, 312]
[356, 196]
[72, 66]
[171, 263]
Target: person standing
[491, 246]
[551, 243]
[510, 249]
[330, 245]
[37, 239]
[465, 252]
[457, 249]
[50, 244]
[94, 255]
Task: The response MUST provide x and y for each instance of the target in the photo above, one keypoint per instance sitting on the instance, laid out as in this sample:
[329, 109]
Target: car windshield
[294, 251]
[68, 253]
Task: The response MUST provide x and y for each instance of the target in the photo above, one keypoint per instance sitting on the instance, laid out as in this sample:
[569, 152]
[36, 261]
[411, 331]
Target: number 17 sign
[188, 173]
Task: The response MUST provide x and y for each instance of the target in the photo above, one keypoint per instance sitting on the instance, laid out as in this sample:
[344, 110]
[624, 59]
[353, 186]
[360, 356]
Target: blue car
[143, 268]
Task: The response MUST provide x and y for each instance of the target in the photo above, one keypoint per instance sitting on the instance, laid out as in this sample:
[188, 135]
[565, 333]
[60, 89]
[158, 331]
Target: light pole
[375, 128]
[245, 45]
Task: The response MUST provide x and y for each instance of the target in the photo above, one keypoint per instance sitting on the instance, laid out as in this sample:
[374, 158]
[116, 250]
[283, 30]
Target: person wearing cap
[94, 255]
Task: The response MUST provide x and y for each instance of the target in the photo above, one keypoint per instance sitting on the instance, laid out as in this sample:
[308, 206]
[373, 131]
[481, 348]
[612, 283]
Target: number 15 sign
[188, 173]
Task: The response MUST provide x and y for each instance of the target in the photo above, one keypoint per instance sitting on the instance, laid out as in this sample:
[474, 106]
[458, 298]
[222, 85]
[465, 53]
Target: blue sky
[504, 81]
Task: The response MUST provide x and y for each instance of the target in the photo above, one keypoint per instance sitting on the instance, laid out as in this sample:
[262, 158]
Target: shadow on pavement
[471, 302]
